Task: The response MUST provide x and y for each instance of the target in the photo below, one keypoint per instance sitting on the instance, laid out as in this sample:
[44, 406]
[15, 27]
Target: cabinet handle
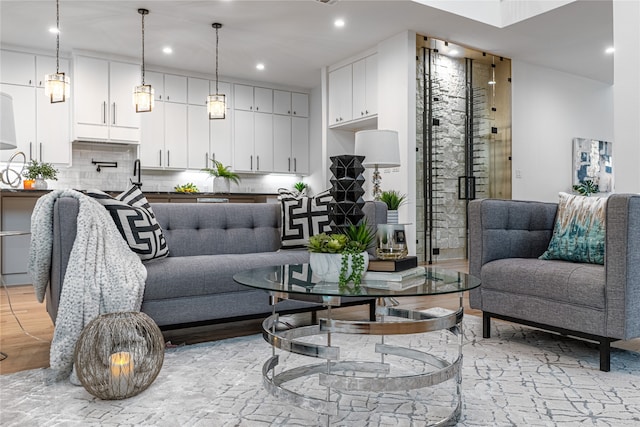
[337, 119]
[257, 163]
[30, 151]
[289, 112]
[168, 158]
[104, 112]
[29, 81]
[294, 113]
[251, 164]
[295, 164]
[362, 113]
[213, 156]
[206, 159]
[41, 152]
[160, 97]
[160, 158]
[114, 113]
[289, 167]
[366, 111]
[168, 98]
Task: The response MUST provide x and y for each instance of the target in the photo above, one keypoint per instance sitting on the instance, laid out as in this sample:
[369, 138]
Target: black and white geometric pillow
[135, 221]
[303, 217]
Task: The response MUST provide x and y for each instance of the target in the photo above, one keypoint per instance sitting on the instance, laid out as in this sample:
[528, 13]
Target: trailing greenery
[300, 186]
[586, 187]
[351, 244]
[393, 199]
[40, 170]
[221, 171]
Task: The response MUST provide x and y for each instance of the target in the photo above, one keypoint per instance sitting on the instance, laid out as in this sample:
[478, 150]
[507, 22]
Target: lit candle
[122, 373]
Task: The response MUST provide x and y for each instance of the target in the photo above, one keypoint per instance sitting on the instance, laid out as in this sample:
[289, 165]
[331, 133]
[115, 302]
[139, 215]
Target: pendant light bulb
[216, 103]
[143, 97]
[57, 86]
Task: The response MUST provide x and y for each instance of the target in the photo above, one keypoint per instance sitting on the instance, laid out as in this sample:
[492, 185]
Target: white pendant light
[216, 103]
[57, 85]
[143, 94]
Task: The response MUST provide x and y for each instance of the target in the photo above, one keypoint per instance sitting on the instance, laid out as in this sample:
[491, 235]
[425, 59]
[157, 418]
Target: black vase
[347, 191]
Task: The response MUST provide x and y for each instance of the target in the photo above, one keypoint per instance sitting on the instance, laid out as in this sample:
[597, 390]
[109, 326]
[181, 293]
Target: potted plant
[393, 199]
[222, 172]
[37, 172]
[342, 257]
[301, 188]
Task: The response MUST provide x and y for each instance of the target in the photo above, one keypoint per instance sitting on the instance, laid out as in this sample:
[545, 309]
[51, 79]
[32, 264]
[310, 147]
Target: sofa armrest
[64, 235]
[622, 263]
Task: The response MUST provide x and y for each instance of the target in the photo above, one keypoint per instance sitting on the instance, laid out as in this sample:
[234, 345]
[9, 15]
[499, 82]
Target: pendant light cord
[143, 13]
[217, 40]
[57, 36]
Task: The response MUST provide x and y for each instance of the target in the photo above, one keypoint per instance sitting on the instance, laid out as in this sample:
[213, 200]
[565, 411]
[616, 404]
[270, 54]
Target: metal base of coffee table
[330, 373]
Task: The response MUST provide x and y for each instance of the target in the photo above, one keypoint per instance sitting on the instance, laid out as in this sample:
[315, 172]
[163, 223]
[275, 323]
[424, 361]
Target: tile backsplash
[83, 175]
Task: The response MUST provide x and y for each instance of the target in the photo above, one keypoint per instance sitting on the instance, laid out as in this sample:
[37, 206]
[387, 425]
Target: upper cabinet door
[91, 91]
[123, 79]
[197, 91]
[243, 97]
[18, 68]
[156, 80]
[300, 104]
[340, 97]
[263, 100]
[47, 65]
[371, 90]
[175, 88]
[359, 89]
[281, 102]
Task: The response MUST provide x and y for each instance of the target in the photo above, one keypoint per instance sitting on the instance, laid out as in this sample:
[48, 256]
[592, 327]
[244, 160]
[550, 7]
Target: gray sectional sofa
[596, 302]
[208, 243]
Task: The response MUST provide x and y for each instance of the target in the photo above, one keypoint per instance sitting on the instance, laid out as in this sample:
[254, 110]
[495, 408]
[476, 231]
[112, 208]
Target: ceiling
[295, 38]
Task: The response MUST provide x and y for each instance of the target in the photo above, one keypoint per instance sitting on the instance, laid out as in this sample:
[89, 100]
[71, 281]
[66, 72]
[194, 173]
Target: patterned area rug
[519, 377]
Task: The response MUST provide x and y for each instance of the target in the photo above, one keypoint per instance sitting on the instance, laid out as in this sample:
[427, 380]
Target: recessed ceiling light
[260, 66]
[339, 23]
[54, 30]
[492, 82]
[167, 50]
[610, 50]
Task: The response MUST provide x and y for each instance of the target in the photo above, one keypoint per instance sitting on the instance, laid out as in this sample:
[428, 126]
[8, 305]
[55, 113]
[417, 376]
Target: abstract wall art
[593, 161]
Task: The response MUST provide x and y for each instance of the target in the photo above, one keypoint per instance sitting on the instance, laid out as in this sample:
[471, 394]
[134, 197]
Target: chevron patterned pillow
[136, 222]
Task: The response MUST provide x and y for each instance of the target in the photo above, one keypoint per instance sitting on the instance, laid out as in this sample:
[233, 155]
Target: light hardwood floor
[26, 352]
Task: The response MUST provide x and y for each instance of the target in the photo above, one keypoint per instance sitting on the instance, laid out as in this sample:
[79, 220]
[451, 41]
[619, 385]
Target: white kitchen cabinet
[24, 114]
[53, 141]
[103, 100]
[156, 80]
[175, 137]
[220, 130]
[281, 102]
[253, 143]
[164, 137]
[198, 134]
[47, 65]
[299, 104]
[16, 216]
[365, 87]
[198, 91]
[175, 88]
[249, 98]
[300, 145]
[17, 68]
[340, 97]
[290, 144]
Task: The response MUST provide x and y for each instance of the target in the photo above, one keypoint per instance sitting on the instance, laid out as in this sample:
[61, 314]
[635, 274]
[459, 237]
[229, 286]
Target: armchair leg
[486, 325]
[605, 355]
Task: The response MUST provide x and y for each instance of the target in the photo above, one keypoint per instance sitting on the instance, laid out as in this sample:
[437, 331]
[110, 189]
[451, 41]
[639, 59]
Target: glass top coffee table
[298, 282]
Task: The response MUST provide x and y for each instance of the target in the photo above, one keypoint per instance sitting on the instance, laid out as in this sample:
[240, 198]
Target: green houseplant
[301, 187]
[39, 172]
[393, 199]
[342, 257]
[223, 172]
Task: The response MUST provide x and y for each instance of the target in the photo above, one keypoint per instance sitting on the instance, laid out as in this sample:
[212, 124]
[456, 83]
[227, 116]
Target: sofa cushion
[574, 283]
[185, 276]
[579, 230]
[303, 217]
[136, 221]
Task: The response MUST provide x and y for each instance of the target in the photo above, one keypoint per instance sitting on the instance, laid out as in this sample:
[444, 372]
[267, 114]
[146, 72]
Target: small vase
[28, 184]
[327, 266]
[392, 217]
[221, 185]
[40, 184]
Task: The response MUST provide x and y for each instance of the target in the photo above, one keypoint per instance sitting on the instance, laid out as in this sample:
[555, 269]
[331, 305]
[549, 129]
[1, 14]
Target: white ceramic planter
[392, 217]
[327, 266]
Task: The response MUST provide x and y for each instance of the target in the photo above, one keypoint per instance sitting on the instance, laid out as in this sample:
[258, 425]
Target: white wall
[397, 111]
[626, 95]
[549, 109]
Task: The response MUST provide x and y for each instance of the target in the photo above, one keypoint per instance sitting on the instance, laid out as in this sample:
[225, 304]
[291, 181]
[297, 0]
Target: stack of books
[394, 274]
[393, 265]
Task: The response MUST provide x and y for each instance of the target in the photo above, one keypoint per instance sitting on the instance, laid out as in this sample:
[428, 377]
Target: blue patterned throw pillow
[579, 230]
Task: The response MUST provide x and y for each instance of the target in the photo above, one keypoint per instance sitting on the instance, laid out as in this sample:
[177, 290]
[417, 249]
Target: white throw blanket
[103, 274]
